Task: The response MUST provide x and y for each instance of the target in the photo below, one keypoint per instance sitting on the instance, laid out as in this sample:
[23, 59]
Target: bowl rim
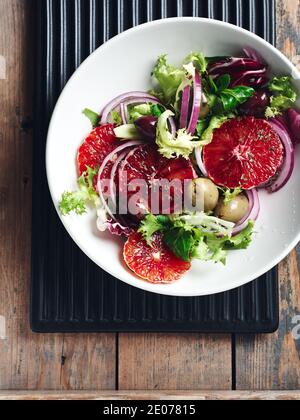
[143, 284]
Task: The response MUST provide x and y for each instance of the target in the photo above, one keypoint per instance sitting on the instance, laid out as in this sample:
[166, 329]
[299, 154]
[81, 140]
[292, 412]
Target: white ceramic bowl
[124, 64]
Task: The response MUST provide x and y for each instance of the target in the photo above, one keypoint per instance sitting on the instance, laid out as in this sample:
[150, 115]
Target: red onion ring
[131, 152]
[115, 103]
[109, 158]
[289, 161]
[185, 106]
[112, 191]
[130, 98]
[155, 101]
[252, 214]
[123, 112]
[196, 104]
[200, 163]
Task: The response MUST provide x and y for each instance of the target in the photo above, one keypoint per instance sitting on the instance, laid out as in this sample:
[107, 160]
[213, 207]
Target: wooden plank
[154, 396]
[164, 362]
[273, 362]
[29, 361]
[89, 362]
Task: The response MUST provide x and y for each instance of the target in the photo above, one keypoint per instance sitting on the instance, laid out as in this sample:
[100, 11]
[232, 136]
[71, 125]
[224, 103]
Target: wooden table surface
[95, 362]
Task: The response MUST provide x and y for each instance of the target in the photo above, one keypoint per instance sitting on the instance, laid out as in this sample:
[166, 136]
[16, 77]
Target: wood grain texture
[186, 362]
[273, 362]
[155, 396]
[89, 362]
[29, 361]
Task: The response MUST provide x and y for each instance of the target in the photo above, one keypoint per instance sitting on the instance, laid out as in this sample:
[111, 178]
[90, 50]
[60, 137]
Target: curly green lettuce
[170, 146]
[284, 96]
[76, 201]
[168, 78]
[199, 61]
[231, 194]
[197, 236]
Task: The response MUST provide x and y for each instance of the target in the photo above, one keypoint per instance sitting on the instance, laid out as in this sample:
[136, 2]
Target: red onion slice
[196, 104]
[185, 106]
[252, 214]
[109, 158]
[115, 103]
[112, 190]
[123, 112]
[136, 101]
[200, 162]
[123, 101]
[289, 161]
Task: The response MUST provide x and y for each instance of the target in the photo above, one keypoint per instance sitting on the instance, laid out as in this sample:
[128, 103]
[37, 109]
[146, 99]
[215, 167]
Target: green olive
[233, 211]
[207, 191]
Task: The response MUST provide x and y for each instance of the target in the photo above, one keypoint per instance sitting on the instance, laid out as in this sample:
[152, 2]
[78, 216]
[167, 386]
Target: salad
[176, 170]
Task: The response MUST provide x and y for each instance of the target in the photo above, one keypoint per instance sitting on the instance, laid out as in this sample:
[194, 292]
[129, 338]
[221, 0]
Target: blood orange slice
[156, 264]
[244, 152]
[99, 143]
[146, 164]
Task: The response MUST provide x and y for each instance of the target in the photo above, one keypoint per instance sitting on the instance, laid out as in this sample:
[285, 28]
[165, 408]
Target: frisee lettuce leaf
[242, 240]
[116, 118]
[284, 96]
[168, 78]
[76, 201]
[190, 72]
[198, 60]
[152, 224]
[182, 144]
[230, 194]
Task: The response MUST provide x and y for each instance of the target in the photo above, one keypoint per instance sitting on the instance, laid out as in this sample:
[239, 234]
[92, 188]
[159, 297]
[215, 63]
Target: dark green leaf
[213, 86]
[232, 98]
[157, 110]
[181, 242]
[223, 82]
